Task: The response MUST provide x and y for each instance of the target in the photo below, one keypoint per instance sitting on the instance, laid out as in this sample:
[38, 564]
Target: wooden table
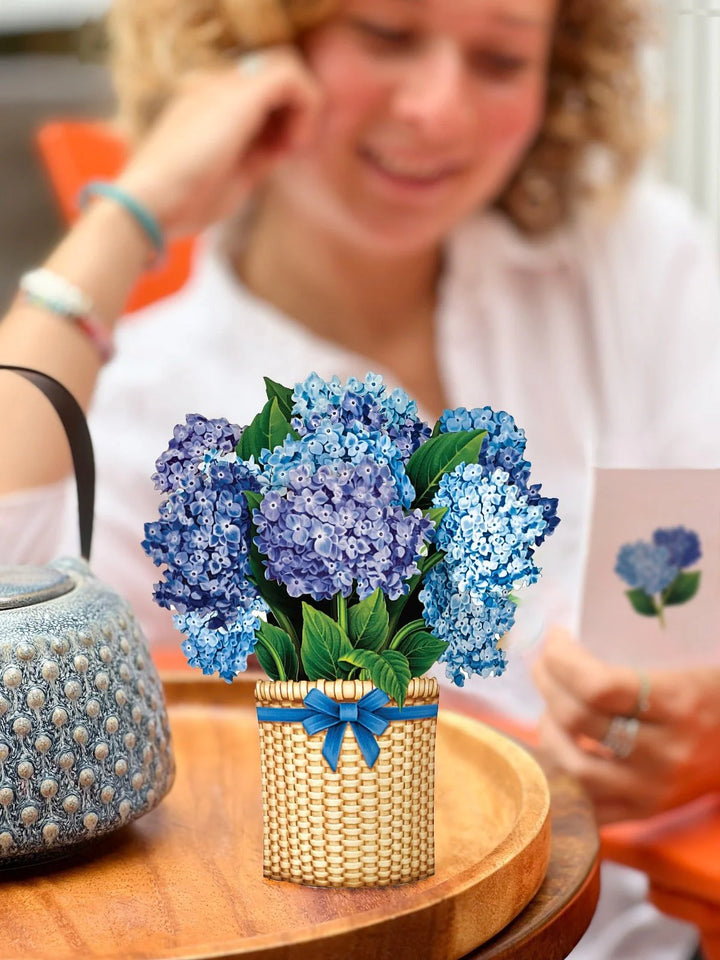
[204, 897]
[555, 920]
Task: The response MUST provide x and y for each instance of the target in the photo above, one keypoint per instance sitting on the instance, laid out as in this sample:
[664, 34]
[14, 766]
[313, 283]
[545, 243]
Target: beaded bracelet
[142, 216]
[43, 288]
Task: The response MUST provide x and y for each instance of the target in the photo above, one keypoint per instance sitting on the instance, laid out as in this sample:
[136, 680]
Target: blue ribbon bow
[368, 718]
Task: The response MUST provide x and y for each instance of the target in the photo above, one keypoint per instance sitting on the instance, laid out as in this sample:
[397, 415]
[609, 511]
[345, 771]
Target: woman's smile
[412, 176]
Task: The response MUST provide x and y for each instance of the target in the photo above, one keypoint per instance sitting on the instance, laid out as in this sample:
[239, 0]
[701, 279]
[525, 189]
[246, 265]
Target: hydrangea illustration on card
[657, 573]
[350, 548]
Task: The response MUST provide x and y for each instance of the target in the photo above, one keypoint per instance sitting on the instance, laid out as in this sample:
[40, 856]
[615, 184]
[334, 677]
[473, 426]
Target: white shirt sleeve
[33, 524]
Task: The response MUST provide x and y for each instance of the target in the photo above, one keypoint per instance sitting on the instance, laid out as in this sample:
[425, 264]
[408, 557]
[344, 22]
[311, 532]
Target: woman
[405, 190]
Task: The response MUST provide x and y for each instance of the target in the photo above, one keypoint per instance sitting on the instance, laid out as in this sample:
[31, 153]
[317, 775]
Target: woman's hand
[676, 753]
[220, 136]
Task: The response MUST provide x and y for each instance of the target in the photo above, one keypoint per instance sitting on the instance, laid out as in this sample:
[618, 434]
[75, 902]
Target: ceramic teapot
[84, 736]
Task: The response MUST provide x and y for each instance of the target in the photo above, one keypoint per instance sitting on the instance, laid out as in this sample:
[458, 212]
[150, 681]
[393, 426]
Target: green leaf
[254, 499]
[389, 671]
[683, 588]
[422, 650]
[283, 395]
[436, 514]
[274, 594]
[276, 653]
[642, 602]
[438, 456]
[269, 429]
[368, 622]
[323, 646]
[397, 606]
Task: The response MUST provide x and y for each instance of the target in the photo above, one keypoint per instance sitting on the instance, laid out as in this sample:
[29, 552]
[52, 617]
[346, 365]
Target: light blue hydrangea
[504, 448]
[221, 647]
[336, 442]
[646, 566]
[361, 403]
[489, 531]
[488, 535]
[472, 626]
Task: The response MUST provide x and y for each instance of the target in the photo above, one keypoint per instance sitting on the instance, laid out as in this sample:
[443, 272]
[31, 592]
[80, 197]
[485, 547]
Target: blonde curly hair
[596, 126]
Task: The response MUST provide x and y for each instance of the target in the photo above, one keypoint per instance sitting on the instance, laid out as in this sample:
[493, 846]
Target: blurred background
[51, 55]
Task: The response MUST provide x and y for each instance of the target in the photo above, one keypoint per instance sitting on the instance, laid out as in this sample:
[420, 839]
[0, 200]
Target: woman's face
[430, 106]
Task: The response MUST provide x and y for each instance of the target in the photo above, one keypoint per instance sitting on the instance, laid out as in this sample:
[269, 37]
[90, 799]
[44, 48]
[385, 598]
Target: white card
[679, 627]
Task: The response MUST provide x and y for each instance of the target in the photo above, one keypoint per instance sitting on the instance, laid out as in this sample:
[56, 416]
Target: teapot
[85, 743]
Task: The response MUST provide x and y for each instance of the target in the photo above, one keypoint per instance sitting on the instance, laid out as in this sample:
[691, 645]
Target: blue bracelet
[147, 222]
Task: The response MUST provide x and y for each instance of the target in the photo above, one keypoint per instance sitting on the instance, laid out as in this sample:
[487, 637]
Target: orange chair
[680, 853]
[74, 152]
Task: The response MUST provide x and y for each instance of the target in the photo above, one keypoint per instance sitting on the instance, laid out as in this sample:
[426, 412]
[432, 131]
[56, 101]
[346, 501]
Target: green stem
[273, 653]
[399, 605]
[286, 623]
[341, 614]
[431, 561]
[403, 632]
[661, 611]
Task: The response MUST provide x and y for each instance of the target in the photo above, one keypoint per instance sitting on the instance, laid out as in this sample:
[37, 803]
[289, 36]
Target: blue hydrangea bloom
[472, 626]
[220, 647]
[338, 525]
[192, 441]
[332, 441]
[202, 538]
[683, 545]
[489, 531]
[646, 566]
[366, 404]
[503, 448]
[488, 535]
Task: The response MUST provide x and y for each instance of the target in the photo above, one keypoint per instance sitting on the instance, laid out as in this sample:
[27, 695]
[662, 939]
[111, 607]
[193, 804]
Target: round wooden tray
[186, 880]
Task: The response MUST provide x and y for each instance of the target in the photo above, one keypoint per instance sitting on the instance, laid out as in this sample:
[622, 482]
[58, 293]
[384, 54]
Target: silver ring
[251, 63]
[621, 736]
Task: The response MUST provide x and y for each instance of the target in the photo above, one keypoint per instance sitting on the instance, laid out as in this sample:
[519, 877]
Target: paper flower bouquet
[350, 548]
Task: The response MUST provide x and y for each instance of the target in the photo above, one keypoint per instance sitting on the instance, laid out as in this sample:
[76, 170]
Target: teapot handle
[78, 434]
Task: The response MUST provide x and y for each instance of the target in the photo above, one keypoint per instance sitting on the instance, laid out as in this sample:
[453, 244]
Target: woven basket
[357, 827]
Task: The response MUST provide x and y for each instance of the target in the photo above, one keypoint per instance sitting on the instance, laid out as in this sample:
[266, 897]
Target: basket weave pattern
[357, 827]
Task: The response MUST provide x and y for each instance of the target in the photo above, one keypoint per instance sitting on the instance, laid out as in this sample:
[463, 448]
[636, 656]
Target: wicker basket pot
[357, 826]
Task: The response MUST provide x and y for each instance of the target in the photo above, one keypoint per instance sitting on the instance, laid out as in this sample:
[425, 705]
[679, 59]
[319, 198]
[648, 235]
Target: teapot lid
[25, 586]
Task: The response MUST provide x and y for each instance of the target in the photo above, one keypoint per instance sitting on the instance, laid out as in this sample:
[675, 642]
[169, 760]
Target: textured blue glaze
[84, 736]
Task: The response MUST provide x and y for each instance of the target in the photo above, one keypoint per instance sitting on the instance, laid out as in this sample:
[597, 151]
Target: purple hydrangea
[682, 545]
[503, 448]
[488, 535]
[365, 404]
[646, 566]
[202, 539]
[338, 526]
[191, 443]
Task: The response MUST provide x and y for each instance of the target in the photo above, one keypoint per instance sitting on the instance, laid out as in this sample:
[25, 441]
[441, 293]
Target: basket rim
[421, 689]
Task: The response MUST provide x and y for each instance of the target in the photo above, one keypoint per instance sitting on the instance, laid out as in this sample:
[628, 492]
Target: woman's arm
[103, 256]
[213, 144]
